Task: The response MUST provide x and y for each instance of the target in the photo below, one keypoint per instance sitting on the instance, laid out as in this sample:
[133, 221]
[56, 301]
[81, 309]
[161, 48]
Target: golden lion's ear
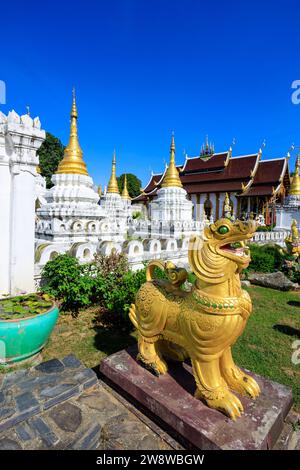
[207, 232]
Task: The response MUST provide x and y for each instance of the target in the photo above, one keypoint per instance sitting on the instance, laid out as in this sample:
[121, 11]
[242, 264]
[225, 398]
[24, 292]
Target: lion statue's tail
[176, 276]
[132, 315]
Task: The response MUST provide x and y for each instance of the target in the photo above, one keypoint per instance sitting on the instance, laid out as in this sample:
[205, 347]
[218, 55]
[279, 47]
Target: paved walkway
[62, 405]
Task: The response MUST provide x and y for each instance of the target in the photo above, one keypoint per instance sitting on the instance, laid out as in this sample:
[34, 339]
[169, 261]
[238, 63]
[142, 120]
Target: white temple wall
[20, 138]
[5, 205]
[22, 232]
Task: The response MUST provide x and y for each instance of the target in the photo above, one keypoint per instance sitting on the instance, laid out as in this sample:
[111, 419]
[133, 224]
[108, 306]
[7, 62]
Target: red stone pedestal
[170, 398]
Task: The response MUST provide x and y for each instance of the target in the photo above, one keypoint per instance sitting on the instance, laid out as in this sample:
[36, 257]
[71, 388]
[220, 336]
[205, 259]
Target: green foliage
[115, 264]
[117, 297]
[265, 258]
[137, 215]
[133, 184]
[291, 267]
[107, 282]
[191, 278]
[24, 306]
[69, 282]
[265, 228]
[50, 154]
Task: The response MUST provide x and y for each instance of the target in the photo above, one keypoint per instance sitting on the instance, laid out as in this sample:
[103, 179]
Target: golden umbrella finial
[113, 183]
[171, 177]
[125, 193]
[72, 162]
[295, 186]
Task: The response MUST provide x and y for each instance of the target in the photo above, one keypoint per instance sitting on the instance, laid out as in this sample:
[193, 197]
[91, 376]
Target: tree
[133, 184]
[50, 154]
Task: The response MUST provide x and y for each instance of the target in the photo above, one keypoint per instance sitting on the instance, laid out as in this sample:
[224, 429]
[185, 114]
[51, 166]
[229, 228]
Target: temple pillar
[198, 207]
[221, 204]
[234, 200]
[217, 205]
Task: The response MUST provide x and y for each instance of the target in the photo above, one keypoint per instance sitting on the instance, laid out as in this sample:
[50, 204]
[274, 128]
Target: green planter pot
[23, 338]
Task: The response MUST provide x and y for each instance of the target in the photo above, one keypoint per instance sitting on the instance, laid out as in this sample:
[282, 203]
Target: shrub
[265, 228]
[115, 263]
[265, 258]
[117, 298]
[68, 281]
[106, 281]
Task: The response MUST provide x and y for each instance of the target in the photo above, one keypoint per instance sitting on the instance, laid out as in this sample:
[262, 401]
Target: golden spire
[38, 170]
[171, 177]
[125, 193]
[113, 183]
[72, 162]
[295, 186]
[100, 190]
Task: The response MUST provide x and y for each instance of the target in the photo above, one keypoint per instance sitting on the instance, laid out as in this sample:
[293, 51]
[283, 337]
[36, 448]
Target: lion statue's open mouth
[235, 235]
[204, 323]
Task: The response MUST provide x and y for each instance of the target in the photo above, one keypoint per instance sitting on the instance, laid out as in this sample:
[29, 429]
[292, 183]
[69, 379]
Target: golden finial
[99, 190]
[38, 170]
[125, 193]
[72, 162]
[171, 177]
[227, 207]
[113, 183]
[295, 186]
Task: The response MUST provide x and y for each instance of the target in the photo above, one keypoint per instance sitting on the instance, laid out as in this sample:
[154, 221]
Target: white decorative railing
[277, 237]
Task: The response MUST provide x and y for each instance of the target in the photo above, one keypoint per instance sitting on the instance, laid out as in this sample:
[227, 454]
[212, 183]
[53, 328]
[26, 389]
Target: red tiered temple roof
[246, 175]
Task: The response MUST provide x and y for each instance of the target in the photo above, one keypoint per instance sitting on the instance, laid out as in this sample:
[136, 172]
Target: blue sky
[144, 68]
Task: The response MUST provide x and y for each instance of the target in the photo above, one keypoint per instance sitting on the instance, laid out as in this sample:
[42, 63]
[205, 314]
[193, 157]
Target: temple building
[254, 186]
[289, 210]
[71, 216]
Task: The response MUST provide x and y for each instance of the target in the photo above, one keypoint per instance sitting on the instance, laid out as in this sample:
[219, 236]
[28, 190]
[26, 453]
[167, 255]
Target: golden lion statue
[204, 323]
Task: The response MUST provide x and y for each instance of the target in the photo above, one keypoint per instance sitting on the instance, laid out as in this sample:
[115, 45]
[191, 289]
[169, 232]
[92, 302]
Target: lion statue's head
[221, 251]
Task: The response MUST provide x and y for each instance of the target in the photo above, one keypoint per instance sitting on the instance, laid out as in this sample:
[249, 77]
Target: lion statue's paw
[242, 383]
[226, 402]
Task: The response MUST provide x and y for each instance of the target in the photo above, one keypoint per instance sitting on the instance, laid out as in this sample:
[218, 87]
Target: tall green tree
[50, 154]
[133, 184]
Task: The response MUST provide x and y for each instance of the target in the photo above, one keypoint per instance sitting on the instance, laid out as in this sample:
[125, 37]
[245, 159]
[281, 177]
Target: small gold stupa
[171, 177]
[125, 193]
[295, 186]
[113, 183]
[72, 162]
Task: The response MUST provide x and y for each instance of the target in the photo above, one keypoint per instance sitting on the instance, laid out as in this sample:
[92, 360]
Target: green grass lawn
[266, 344]
[265, 347]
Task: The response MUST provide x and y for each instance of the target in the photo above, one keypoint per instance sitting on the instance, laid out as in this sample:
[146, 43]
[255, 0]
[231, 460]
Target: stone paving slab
[170, 397]
[60, 404]
[26, 393]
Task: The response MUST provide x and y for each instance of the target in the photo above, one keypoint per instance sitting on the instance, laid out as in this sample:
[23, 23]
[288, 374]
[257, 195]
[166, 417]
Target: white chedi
[171, 204]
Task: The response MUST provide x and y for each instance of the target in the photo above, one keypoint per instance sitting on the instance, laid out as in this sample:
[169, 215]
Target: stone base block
[170, 399]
